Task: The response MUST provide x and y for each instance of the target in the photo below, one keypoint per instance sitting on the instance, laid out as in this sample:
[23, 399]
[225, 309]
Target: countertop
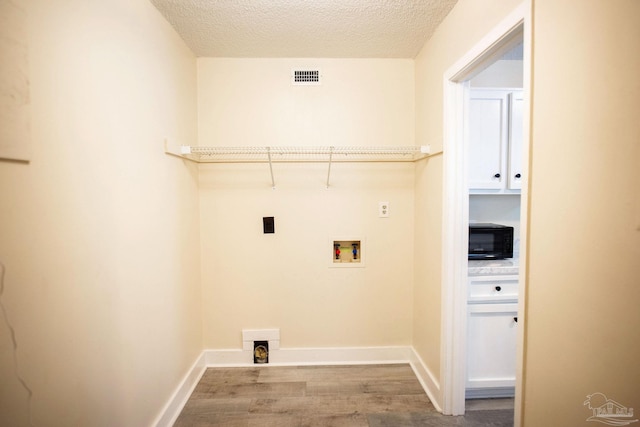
[494, 267]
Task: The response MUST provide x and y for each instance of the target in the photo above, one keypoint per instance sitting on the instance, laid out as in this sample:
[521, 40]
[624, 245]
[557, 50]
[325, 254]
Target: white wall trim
[172, 409]
[454, 243]
[524, 210]
[311, 356]
[496, 42]
[299, 357]
[428, 381]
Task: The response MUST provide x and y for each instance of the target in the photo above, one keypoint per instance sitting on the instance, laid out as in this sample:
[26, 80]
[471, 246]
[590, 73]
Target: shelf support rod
[273, 183]
[329, 169]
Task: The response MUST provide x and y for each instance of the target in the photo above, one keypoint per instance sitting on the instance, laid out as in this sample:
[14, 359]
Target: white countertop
[494, 267]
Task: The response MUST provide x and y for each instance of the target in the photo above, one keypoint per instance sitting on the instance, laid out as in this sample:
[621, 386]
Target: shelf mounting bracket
[329, 169]
[273, 183]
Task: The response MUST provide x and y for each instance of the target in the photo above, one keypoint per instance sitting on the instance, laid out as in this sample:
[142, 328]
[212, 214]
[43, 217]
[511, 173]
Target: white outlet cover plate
[383, 209]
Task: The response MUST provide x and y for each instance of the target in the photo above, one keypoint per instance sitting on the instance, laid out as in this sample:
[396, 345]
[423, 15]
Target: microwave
[490, 241]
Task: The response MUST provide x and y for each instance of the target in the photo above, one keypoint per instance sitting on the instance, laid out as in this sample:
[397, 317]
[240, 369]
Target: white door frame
[514, 28]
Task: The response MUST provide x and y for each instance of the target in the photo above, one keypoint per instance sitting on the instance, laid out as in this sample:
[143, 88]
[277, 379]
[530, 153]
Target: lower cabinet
[492, 322]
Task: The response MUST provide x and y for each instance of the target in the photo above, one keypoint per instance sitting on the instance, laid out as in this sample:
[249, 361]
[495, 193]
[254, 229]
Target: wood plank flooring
[321, 396]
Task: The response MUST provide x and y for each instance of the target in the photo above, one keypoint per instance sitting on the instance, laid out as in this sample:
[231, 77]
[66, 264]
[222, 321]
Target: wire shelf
[282, 154]
[304, 154]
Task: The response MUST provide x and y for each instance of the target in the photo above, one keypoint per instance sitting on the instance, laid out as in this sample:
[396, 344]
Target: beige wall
[460, 31]
[584, 275]
[252, 102]
[252, 280]
[99, 233]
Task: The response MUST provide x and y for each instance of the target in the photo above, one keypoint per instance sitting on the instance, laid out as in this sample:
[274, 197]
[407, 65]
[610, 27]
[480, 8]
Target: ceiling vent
[305, 77]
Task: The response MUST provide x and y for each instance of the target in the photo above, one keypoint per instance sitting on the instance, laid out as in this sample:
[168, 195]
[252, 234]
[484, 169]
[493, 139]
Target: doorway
[510, 32]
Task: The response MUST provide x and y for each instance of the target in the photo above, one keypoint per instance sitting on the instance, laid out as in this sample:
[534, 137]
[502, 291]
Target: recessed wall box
[261, 352]
[347, 252]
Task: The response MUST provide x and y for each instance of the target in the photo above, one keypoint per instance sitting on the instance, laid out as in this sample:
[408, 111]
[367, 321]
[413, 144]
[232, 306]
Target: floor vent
[305, 77]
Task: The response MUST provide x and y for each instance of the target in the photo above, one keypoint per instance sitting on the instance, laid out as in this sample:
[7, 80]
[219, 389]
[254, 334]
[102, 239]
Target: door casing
[510, 31]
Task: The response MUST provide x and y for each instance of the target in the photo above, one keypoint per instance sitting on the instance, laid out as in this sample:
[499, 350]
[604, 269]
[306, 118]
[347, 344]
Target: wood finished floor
[322, 396]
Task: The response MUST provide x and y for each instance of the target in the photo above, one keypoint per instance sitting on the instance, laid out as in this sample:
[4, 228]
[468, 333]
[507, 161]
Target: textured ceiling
[305, 28]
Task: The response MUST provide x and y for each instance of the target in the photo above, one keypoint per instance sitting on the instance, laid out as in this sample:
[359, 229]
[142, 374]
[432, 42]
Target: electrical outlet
[383, 209]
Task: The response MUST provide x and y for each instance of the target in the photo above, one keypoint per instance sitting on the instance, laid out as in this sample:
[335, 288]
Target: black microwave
[490, 241]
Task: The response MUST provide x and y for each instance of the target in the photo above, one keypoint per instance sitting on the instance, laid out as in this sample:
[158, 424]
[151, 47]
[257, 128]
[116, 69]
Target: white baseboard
[299, 357]
[429, 383]
[172, 409]
[311, 356]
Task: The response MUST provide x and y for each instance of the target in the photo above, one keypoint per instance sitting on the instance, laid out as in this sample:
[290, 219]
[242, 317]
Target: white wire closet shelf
[282, 154]
[276, 154]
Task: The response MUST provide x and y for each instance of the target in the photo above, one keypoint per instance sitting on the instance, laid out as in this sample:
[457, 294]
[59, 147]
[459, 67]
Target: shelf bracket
[273, 183]
[329, 169]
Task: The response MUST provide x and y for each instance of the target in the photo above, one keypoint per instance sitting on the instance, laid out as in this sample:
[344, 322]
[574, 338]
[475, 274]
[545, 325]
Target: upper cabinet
[514, 146]
[495, 140]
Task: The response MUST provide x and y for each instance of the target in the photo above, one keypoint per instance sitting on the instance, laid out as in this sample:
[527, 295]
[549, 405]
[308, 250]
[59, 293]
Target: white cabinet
[491, 353]
[492, 322]
[514, 166]
[492, 289]
[495, 140]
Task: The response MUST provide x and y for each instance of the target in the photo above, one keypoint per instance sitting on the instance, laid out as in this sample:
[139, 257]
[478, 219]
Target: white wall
[99, 232]
[252, 280]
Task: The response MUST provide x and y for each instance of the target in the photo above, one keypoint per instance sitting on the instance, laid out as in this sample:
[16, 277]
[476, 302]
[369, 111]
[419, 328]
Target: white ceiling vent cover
[306, 77]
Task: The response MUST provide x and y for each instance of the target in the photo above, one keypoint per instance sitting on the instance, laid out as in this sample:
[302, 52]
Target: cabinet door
[514, 181]
[487, 127]
[491, 350]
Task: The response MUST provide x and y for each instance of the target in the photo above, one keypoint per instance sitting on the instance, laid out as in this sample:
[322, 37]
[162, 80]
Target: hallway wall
[584, 245]
[99, 233]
